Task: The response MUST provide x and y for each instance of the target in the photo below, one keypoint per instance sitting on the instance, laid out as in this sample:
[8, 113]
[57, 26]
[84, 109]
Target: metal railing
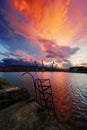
[43, 93]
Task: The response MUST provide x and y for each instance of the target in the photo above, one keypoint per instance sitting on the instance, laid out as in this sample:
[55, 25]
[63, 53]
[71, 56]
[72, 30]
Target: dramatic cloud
[60, 53]
[18, 54]
[43, 29]
[49, 19]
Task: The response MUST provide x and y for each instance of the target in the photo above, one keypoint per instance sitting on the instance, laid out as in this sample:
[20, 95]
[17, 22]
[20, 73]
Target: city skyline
[36, 30]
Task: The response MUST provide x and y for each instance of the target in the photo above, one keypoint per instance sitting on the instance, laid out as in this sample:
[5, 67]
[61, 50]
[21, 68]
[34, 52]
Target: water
[69, 91]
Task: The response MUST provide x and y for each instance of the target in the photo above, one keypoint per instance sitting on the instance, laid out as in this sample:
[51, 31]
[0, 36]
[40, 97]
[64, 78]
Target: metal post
[33, 82]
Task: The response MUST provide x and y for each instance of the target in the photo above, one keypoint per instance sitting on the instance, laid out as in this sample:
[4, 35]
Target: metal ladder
[44, 89]
[43, 93]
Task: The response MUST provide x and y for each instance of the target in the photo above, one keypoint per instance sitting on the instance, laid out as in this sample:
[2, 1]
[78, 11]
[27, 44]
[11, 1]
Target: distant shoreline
[27, 69]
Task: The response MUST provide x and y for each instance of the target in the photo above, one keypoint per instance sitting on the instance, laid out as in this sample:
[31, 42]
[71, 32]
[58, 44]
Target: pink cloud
[24, 55]
[62, 20]
[60, 53]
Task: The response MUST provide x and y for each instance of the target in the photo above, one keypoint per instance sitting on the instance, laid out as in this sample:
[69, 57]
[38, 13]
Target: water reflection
[69, 91]
[70, 94]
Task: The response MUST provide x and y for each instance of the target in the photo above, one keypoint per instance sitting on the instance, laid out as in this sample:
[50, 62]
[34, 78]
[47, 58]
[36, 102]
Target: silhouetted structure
[80, 69]
[42, 64]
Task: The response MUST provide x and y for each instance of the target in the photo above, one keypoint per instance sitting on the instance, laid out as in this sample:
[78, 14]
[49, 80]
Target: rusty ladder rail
[43, 88]
[45, 94]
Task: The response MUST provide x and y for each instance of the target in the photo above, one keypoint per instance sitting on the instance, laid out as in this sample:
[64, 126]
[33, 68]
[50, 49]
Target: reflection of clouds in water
[69, 92]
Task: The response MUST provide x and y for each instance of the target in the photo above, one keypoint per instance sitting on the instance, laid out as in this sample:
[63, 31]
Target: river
[69, 92]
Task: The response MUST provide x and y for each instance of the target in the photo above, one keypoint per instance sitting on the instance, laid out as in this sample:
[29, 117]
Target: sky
[48, 30]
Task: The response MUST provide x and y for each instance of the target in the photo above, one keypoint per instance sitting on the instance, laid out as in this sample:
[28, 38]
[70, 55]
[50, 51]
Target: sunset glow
[52, 30]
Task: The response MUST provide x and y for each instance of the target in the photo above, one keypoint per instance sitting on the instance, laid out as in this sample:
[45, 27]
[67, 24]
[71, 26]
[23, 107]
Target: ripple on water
[70, 95]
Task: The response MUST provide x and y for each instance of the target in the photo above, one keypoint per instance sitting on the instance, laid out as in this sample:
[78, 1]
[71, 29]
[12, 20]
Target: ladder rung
[47, 98]
[44, 86]
[45, 93]
[44, 89]
[44, 80]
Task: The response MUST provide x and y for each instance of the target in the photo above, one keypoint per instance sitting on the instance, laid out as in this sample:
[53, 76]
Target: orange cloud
[52, 24]
[59, 20]
[45, 18]
[51, 19]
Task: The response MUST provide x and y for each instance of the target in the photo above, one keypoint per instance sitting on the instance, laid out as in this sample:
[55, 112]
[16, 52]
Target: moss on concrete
[3, 82]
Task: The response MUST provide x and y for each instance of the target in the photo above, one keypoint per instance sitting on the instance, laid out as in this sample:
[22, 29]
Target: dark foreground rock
[12, 95]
